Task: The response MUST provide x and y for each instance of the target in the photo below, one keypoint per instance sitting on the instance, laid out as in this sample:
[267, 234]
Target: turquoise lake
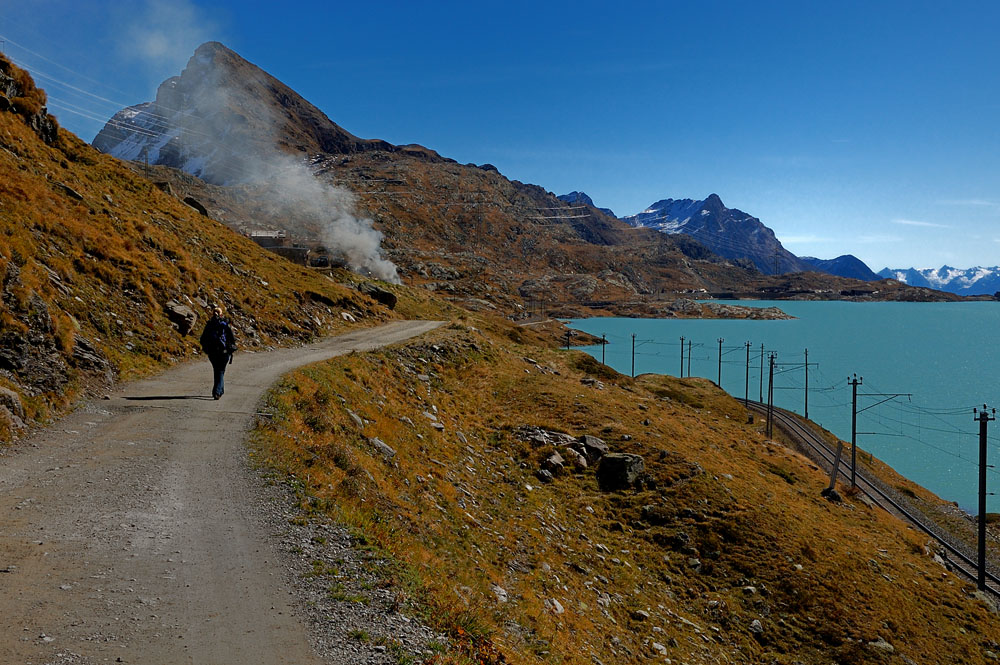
[944, 354]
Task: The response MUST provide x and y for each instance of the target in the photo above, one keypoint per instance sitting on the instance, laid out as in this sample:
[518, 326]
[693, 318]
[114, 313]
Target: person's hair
[218, 309]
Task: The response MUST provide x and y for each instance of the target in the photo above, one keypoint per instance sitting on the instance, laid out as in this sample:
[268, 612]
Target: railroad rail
[820, 452]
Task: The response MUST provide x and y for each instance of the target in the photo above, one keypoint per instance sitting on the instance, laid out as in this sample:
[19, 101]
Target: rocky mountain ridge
[464, 231]
[979, 280]
[737, 235]
[219, 118]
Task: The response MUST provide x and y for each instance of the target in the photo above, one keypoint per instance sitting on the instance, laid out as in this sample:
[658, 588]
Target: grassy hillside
[91, 255]
[725, 552]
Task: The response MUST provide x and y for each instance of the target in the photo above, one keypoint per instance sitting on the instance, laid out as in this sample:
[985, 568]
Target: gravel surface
[134, 532]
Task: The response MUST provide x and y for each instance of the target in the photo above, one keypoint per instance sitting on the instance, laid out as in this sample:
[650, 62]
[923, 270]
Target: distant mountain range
[966, 282]
[736, 235]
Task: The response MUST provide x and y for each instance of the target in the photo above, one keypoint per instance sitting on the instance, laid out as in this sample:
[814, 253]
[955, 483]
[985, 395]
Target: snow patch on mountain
[978, 280]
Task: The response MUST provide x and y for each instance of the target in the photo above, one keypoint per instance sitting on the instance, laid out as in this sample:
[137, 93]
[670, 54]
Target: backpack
[218, 338]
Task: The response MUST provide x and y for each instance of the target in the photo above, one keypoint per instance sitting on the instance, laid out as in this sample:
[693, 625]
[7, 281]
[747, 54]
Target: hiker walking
[218, 342]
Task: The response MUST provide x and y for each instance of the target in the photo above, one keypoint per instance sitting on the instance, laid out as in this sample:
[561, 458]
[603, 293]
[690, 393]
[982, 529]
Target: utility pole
[682, 357]
[984, 418]
[604, 345]
[145, 156]
[761, 398]
[633, 355]
[770, 395]
[567, 339]
[719, 382]
[746, 387]
[689, 358]
[854, 383]
[805, 412]
[806, 409]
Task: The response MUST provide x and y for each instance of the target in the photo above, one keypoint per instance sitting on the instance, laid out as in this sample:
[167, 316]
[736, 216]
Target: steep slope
[472, 468]
[846, 265]
[219, 118]
[105, 276]
[464, 231]
[971, 281]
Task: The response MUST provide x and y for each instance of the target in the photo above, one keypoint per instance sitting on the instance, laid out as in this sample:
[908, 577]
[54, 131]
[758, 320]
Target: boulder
[554, 463]
[384, 448]
[69, 191]
[12, 402]
[618, 471]
[182, 316]
[196, 204]
[593, 447]
[164, 187]
[380, 295]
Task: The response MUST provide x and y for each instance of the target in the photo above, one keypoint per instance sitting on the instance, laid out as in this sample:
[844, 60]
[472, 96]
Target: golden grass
[105, 251]
[823, 580]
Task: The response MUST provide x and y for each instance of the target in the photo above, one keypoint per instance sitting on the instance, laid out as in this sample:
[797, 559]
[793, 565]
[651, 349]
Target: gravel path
[133, 531]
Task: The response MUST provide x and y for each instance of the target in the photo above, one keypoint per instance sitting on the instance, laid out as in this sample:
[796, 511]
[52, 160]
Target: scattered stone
[695, 563]
[164, 187]
[882, 646]
[756, 627]
[500, 593]
[593, 447]
[640, 615]
[196, 204]
[377, 293]
[384, 448]
[347, 316]
[11, 400]
[832, 495]
[554, 606]
[554, 463]
[659, 648]
[619, 471]
[182, 316]
[987, 600]
[356, 418]
[69, 191]
[544, 476]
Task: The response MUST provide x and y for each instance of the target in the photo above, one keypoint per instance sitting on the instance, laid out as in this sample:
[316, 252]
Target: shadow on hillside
[146, 398]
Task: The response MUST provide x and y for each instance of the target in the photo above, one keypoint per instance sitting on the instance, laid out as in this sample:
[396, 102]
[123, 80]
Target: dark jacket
[218, 338]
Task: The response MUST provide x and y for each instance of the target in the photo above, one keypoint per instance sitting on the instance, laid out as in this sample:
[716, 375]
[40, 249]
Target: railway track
[957, 555]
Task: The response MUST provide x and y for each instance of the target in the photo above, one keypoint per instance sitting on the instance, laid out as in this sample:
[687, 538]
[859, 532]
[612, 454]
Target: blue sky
[856, 127]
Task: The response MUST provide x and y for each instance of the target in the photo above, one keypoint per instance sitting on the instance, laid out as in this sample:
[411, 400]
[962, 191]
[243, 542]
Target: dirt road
[126, 534]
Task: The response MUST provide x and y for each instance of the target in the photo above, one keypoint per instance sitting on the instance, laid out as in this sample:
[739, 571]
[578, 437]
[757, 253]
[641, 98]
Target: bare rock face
[10, 401]
[30, 355]
[196, 204]
[182, 316]
[387, 298]
[618, 471]
[221, 100]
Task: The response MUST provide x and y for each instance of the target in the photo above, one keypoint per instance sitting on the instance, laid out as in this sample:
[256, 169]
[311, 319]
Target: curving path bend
[126, 535]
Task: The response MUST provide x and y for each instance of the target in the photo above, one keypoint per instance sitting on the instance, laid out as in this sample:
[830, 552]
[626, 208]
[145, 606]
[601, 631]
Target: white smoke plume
[219, 128]
[330, 209]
